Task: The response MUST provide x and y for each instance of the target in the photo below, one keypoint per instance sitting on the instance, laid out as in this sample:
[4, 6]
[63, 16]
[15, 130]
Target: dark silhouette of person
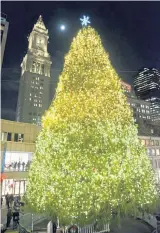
[12, 165]
[54, 227]
[27, 166]
[7, 200]
[15, 219]
[15, 165]
[19, 165]
[9, 217]
[23, 165]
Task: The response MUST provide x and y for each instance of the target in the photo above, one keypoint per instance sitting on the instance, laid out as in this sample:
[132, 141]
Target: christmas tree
[89, 162]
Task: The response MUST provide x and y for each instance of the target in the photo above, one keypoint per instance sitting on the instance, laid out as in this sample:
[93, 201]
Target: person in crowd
[1, 201]
[19, 165]
[15, 219]
[12, 165]
[7, 200]
[27, 166]
[23, 166]
[9, 217]
[15, 165]
[11, 199]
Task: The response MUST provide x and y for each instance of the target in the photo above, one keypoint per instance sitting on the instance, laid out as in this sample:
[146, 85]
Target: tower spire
[40, 23]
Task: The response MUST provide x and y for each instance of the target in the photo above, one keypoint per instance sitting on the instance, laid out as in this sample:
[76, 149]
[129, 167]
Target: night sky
[130, 32]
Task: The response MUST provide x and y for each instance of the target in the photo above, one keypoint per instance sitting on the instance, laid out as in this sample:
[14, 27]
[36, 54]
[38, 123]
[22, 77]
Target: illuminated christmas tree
[89, 162]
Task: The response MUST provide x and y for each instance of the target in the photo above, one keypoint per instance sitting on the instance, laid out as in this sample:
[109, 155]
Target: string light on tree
[85, 20]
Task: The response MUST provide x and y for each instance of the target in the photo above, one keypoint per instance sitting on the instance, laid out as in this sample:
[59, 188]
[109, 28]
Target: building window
[18, 137]
[153, 152]
[149, 152]
[152, 143]
[42, 69]
[39, 120]
[157, 151]
[143, 142]
[4, 136]
[35, 105]
[156, 143]
[38, 67]
[9, 136]
[147, 143]
[33, 66]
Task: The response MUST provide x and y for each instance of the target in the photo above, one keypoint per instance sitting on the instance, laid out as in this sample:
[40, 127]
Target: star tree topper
[85, 20]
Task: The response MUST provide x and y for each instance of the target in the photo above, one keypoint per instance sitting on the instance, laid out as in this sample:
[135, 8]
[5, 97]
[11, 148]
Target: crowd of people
[18, 166]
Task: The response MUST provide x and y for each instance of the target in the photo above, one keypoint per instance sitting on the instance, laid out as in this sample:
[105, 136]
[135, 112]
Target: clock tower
[33, 98]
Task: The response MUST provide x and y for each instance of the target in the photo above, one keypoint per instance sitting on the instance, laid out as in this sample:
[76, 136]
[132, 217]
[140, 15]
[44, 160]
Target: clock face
[40, 41]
